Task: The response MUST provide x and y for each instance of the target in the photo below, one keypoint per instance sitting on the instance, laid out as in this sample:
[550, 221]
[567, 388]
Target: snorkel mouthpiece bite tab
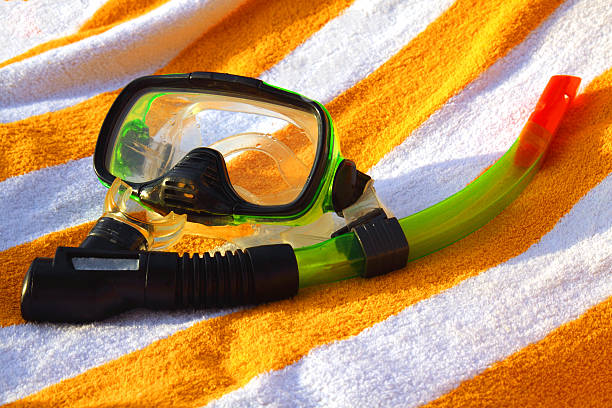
[544, 121]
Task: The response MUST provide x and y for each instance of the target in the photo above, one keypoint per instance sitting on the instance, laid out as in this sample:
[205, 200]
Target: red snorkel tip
[544, 121]
[557, 96]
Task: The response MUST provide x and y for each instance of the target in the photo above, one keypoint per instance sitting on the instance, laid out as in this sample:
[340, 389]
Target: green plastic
[429, 230]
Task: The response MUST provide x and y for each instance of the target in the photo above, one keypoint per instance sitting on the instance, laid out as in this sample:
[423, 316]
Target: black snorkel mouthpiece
[83, 285]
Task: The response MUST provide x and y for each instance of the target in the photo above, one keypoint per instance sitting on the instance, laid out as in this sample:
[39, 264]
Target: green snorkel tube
[459, 215]
[114, 269]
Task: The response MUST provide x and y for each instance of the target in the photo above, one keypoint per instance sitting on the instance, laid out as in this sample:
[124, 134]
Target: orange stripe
[472, 35]
[119, 11]
[214, 357]
[14, 263]
[572, 366]
[52, 138]
[244, 43]
[113, 13]
[262, 34]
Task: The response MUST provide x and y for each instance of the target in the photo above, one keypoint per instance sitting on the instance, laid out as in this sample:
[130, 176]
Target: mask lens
[269, 149]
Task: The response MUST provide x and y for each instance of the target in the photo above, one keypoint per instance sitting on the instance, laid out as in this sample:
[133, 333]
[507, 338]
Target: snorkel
[119, 266]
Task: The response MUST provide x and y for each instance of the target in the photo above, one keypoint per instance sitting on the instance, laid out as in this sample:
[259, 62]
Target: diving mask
[225, 150]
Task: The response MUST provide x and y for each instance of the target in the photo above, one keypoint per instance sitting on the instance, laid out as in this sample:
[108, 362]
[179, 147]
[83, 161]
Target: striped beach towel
[425, 95]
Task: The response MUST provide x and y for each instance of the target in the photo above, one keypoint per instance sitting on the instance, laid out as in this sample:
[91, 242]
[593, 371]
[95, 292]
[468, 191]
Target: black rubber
[348, 185]
[54, 290]
[110, 234]
[198, 185]
[255, 275]
[384, 245]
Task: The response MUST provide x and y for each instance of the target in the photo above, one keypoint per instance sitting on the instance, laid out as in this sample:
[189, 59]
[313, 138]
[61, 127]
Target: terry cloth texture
[425, 95]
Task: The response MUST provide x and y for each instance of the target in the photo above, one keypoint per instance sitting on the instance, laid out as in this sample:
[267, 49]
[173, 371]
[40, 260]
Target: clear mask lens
[269, 149]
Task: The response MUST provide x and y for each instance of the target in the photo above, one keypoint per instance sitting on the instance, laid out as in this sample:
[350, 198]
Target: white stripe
[106, 61]
[32, 368]
[479, 124]
[366, 25]
[352, 46]
[25, 24]
[48, 200]
[361, 22]
[34, 356]
[429, 348]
